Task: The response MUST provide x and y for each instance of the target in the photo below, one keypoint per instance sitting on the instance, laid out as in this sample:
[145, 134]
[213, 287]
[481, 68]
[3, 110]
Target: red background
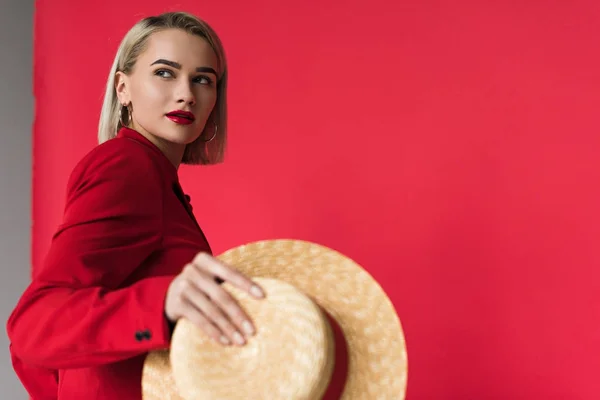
[449, 147]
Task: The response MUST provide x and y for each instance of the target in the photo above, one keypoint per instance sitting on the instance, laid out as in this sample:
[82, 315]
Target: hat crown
[293, 345]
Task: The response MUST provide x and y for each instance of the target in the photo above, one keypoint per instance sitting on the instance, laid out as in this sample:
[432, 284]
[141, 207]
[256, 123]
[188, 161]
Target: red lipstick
[181, 117]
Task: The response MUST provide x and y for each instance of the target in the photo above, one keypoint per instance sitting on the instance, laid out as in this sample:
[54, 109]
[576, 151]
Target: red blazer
[95, 307]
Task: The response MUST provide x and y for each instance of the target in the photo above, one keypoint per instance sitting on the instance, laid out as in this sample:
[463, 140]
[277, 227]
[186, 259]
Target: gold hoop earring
[125, 107]
[214, 134]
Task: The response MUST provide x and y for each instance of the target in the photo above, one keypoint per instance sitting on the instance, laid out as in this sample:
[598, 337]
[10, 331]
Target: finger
[213, 313]
[195, 275]
[219, 298]
[195, 316]
[215, 267]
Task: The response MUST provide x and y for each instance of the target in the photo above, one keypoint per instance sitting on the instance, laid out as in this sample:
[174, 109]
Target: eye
[164, 73]
[202, 79]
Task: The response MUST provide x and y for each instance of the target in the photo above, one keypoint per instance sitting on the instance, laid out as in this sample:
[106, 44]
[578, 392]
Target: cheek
[148, 99]
[207, 101]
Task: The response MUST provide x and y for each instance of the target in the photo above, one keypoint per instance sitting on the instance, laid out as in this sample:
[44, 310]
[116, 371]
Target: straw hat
[291, 357]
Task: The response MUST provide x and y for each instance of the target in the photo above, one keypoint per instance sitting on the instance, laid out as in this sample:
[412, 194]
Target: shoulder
[120, 162]
[118, 153]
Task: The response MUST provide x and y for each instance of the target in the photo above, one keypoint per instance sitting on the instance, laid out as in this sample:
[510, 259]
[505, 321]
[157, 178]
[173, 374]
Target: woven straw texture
[293, 336]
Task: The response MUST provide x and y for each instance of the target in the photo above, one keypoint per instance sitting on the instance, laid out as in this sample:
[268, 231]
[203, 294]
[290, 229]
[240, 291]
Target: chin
[181, 134]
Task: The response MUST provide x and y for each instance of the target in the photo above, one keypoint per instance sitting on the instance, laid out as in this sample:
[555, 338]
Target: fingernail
[256, 292]
[237, 337]
[248, 328]
[224, 340]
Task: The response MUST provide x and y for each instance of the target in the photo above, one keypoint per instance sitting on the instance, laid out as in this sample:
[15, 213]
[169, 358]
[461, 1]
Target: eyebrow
[176, 65]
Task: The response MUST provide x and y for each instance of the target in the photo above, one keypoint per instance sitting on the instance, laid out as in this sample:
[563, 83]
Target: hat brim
[377, 359]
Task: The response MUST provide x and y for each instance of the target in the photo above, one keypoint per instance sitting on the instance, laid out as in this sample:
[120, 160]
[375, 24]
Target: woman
[129, 259]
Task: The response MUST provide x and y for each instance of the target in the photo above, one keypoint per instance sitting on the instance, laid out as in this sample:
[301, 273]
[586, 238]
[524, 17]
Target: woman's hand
[195, 295]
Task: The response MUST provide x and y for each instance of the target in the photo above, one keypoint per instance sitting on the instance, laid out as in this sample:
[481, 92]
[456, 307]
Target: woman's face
[172, 89]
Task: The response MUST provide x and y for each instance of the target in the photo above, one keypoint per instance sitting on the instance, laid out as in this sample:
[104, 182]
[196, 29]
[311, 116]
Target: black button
[139, 336]
[147, 335]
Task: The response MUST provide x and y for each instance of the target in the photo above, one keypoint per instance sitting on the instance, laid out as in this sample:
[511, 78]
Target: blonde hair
[132, 45]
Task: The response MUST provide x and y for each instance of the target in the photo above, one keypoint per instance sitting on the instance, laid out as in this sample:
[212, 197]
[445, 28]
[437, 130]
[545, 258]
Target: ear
[122, 88]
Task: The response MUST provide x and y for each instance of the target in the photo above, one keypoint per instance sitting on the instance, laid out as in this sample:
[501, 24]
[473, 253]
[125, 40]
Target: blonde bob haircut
[202, 150]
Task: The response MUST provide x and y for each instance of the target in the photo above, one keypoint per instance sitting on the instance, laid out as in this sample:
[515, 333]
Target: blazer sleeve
[77, 312]
[40, 383]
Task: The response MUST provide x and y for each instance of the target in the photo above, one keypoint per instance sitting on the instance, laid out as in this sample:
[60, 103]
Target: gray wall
[16, 113]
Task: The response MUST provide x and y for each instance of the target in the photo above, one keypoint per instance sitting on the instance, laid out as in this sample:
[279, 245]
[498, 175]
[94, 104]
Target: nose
[185, 94]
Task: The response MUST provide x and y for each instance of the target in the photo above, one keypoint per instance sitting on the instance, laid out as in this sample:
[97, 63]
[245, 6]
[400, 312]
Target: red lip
[181, 117]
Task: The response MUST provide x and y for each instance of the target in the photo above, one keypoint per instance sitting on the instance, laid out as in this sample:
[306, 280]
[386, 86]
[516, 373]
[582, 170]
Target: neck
[173, 151]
